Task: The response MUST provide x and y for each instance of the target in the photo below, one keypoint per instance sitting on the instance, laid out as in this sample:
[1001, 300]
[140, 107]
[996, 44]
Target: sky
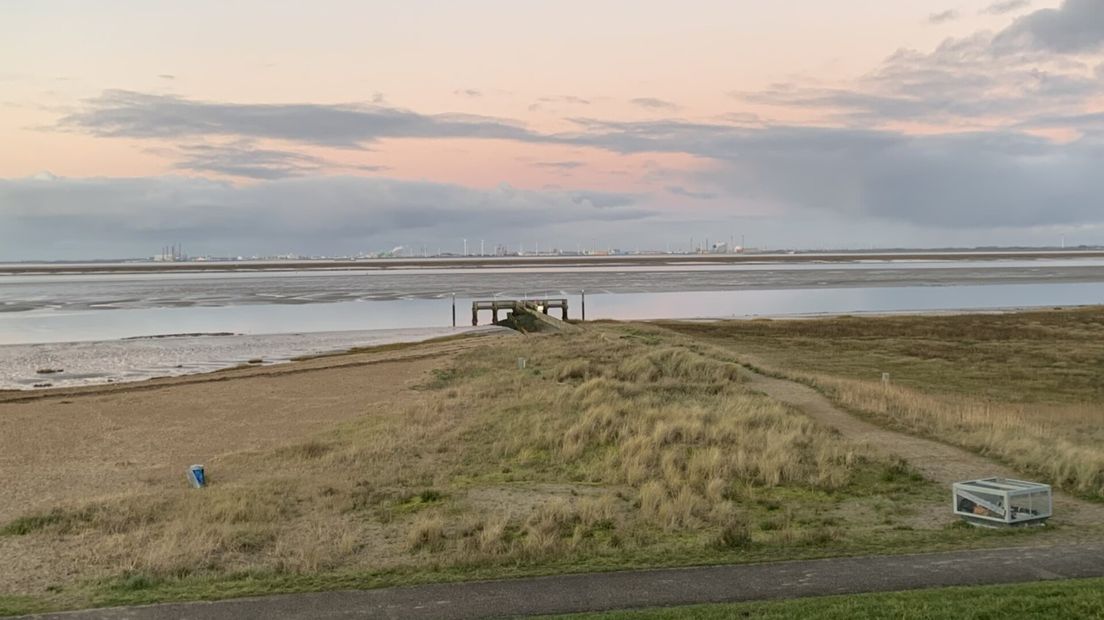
[340, 127]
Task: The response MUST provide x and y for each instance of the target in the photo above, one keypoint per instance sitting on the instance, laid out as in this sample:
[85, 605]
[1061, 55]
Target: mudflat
[537, 261]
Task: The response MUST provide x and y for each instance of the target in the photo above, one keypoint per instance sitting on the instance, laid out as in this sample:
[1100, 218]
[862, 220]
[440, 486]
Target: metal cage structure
[996, 502]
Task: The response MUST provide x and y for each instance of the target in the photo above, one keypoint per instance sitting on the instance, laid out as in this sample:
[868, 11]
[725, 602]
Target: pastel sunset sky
[335, 127]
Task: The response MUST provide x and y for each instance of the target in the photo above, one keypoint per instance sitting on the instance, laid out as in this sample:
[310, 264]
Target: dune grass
[618, 447]
[1025, 388]
[1082, 598]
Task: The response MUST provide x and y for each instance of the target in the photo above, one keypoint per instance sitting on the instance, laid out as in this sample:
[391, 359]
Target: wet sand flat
[101, 292]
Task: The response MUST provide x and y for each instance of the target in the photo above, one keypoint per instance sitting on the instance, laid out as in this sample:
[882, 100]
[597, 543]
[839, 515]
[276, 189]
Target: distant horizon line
[614, 252]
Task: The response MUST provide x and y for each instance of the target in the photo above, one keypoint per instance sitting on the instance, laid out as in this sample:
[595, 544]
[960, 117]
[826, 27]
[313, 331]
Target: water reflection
[716, 304]
[46, 325]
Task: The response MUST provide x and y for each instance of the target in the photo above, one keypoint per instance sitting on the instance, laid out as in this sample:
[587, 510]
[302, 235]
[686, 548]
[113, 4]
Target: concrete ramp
[529, 317]
[525, 315]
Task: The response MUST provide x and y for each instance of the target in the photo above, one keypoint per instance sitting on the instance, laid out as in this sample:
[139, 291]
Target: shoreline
[252, 367]
[350, 358]
[384, 264]
[76, 365]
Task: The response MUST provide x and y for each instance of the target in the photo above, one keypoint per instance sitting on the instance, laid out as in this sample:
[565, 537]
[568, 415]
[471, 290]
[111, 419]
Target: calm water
[279, 315]
[50, 325]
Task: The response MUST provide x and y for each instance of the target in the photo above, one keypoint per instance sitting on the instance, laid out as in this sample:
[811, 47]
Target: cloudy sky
[262, 127]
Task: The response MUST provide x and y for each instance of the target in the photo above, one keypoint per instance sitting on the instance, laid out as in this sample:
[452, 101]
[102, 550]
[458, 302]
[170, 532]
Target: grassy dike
[621, 446]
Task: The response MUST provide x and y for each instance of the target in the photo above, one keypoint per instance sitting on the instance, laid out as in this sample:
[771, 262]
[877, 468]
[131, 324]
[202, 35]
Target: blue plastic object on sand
[197, 476]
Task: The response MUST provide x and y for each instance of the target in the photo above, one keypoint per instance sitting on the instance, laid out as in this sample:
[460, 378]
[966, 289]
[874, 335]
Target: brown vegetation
[620, 446]
[1038, 440]
[1025, 388]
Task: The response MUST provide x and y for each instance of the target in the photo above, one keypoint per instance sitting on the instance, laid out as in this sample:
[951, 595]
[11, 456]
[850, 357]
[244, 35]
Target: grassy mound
[617, 447]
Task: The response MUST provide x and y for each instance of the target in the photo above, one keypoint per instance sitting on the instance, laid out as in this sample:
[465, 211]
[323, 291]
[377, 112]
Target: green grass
[56, 519]
[22, 605]
[141, 588]
[1060, 599]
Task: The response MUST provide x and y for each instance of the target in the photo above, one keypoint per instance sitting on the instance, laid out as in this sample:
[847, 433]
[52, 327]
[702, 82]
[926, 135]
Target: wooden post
[475, 314]
[494, 312]
[454, 309]
[885, 392]
[583, 293]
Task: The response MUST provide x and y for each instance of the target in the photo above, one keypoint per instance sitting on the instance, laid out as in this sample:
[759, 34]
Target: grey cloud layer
[996, 178]
[943, 17]
[1005, 7]
[1075, 26]
[678, 190]
[976, 179]
[120, 113]
[560, 165]
[341, 213]
[246, 160]
[654, 103]
[1025, 71]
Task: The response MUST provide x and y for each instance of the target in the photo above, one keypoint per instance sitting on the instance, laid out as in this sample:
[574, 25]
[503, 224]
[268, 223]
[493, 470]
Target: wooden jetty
[516, 306]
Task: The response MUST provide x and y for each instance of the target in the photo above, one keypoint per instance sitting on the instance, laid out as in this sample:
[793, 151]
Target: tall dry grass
[610, 442]
[678, 428]
[1060, 443]
[1023, 387]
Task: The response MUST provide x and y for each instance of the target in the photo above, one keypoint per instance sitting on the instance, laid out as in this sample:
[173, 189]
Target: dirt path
[936, 461]
[65, 445]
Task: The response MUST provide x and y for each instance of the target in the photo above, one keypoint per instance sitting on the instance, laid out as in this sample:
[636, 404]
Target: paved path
[604, 591]
[937, 461]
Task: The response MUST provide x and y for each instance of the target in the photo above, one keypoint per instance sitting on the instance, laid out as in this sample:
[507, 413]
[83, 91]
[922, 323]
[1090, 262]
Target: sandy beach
[69, 444]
